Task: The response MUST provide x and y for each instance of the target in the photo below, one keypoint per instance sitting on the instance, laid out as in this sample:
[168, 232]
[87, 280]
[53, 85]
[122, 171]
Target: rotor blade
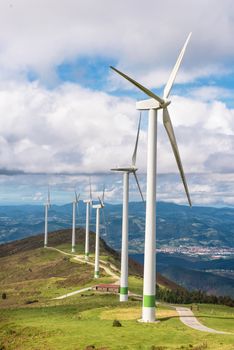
[104, 221]
[101, 202]
[48, 198]
[172, 76]
[90, 189]
[170, 132]
[103, 193]
[90, 212]
[141, 87]
[136, 144]
[77, 197]
[138, 185]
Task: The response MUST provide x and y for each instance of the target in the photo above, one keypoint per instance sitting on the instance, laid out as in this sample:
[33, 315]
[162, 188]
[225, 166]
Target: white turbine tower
[124, 251]
[88, 207]
[47, 206]
[98, 207]
[153, 105]
[74, 208]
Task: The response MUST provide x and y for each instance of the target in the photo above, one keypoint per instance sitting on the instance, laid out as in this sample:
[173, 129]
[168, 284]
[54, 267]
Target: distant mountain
[196, 274]
[176, 224]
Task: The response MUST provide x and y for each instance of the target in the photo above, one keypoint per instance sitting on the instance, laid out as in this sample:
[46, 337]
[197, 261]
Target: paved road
[186, 315]
[72, 293]
[188, 318]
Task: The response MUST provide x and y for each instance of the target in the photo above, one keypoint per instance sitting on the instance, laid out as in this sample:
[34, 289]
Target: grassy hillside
[30, 319]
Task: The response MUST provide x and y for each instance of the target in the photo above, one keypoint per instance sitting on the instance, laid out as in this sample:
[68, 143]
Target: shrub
[4, 296]
[116, 323]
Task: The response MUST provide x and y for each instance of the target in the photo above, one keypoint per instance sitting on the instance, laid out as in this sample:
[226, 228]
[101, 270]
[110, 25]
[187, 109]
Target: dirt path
[188, 318]
[72, 293]
[81, 259]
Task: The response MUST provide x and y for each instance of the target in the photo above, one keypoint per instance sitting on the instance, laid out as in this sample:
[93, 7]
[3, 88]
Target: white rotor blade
[170, 132]
[103, 194]
[104, 222]
[138, 185]
[172, 77]
[136, 144]
[48, 198]
[77, 197]
[101, 202]
[141, 87]
[90, 190]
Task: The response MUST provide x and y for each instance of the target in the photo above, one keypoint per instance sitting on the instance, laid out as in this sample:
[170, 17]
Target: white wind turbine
[47, 206]
[98, 207]
[124, 249]
[74, 208]
[88, 203]
[153, 105]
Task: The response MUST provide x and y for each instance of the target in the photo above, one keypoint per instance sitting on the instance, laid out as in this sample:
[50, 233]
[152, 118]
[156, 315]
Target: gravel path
[188, 318]
[186, 315]
[81, 259]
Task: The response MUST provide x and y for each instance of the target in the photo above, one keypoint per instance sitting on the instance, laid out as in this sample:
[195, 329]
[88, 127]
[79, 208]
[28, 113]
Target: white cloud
[140, 36]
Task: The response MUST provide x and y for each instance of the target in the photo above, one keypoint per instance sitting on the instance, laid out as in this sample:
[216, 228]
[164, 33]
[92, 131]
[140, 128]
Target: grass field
[85, 321]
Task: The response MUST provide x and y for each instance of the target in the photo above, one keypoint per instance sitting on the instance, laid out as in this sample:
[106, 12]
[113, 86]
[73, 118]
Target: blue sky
[64, 115]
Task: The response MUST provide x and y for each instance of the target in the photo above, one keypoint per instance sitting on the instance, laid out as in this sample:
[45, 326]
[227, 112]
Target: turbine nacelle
[130, 169]
[151, 103]
[156, 102]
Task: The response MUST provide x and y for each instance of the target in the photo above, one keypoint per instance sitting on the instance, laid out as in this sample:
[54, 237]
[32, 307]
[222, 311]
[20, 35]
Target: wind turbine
[88, 207]
[74, 207]
[153, 105]
[124, 251]
[98, 207]
[47, 206]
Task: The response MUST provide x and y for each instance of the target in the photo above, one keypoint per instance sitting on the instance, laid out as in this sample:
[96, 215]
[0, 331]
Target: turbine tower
[47, 206]
[88, 203]
[124, 251]
[74, 208]
[98, 207]
[153, 105]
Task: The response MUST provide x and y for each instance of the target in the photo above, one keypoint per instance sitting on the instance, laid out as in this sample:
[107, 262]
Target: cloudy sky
[64, 115]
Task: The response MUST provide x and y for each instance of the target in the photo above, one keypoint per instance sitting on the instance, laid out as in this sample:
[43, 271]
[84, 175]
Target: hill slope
[30, 271]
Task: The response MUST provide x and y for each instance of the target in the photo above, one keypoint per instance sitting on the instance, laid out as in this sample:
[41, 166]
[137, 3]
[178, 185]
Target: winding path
[82, 260]
[188, 318]
[186, 315]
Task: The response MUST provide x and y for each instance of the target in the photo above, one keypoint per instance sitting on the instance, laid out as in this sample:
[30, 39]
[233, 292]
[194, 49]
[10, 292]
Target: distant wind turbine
[153, 105]
[47, 206]
[74, 208]
[124, 251]
[88, 209]
[97, 243]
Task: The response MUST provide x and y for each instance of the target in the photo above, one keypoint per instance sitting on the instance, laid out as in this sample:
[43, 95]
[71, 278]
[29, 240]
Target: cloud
[39, 36]
[66, 130]
[49, 126]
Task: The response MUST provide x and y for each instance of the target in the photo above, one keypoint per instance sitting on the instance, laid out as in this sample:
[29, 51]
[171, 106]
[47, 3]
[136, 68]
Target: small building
[107, 288]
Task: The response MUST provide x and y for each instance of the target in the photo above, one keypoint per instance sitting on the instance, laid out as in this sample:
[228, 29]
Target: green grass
[135, 284]
[216, 316]
[86, 319]
[80, 324]
[43, 274]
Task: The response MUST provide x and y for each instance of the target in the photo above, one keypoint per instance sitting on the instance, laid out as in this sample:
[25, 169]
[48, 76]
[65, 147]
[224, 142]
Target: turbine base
[123, 297]
[148, 315]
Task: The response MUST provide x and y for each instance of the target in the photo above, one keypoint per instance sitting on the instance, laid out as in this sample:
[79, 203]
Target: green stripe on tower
[124, 290]
[86, 254]
[149, 301]
[97, 273]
